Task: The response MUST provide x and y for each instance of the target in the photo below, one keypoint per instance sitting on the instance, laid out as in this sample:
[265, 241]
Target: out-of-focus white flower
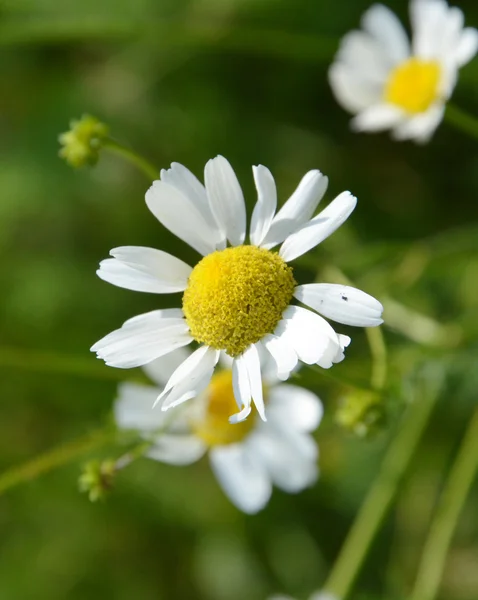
[389, 83]
[236, 299]
[247, 458]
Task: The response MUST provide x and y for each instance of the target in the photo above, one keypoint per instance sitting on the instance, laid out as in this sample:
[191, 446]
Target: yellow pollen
[214, 427]
[237, 296]
[413, 85]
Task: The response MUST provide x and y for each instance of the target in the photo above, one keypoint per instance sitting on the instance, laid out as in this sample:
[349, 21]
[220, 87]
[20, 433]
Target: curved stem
[462, 120]
[54, 458]
[378, 350]
[131, 156]
[452, 500]
[382, 492]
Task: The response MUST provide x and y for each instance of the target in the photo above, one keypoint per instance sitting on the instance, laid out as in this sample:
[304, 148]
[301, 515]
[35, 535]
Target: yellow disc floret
[213, 426]
[413, 85]
[237, 296]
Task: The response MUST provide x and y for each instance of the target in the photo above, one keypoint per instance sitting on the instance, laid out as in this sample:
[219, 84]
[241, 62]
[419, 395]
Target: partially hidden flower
[246, 458]
[236, 299]
[81, 144]
[391, 83]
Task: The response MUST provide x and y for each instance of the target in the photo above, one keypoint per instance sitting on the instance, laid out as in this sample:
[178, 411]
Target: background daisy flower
[247, 458]
[391, 83]
[236, 299]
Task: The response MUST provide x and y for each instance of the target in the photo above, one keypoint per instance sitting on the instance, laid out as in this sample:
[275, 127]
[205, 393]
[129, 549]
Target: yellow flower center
[214, 427]
[236, 296]
[413, 85]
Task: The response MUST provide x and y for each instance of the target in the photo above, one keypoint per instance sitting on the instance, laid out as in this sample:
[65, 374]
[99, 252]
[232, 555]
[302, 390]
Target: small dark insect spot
[345, 298]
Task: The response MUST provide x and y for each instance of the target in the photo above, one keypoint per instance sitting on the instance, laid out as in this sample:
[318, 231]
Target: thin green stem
[382, 492]
[452, 500]
[378, 350]
[462, 120]
[131, 156]
[55, 458]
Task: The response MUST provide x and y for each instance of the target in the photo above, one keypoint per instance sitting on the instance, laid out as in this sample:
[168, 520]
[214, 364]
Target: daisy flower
[389, 83]
[237, 298]
[246, 458]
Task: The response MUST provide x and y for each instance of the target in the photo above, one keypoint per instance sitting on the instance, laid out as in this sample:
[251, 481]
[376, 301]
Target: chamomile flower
[246, 458]
[390, 83]
[237, 298]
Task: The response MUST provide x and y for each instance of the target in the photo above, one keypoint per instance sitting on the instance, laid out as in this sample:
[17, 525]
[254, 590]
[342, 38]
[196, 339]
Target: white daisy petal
[283, 354]
[189, 185]
[241, 415]
[312, 338]
[186, 390]
[242, 388]
[145, 270]
[196, 366]
[161, 369]
[266, 205]
[133, 408]
[377, 118]
[243, 480]
[353, 91]
[143, 338]
[319, 228]
[344, 342]
[282, 459]
[298, 209]
[422, 126]
[341, 303]
[297, 407]
[178, 213]
[467, 46]
[429, 21]
[177, 449]
[253, 366]
[226, 199]
[384, 26]
[365, 56]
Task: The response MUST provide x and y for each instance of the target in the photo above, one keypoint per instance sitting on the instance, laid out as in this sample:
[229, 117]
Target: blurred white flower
[236, 299]
[247, 458]
[389, 83]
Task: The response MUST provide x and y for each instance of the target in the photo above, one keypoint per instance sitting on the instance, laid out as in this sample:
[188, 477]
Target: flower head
[82, 143]
[390, 83]
[237, 299]
[247, 458]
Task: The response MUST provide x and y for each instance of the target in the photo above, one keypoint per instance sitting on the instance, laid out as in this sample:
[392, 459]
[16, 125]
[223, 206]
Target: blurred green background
[184, 81]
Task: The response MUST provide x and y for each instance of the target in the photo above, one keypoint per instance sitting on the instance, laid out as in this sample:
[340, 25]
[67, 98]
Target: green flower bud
[83, 142]
[361, 412]
[97, 479]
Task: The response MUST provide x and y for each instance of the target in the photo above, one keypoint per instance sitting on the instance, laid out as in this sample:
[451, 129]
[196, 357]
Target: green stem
[131, 156]
[452, 500]
[381, 494]
[462, 120]
[378, 350]
[54, 458]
